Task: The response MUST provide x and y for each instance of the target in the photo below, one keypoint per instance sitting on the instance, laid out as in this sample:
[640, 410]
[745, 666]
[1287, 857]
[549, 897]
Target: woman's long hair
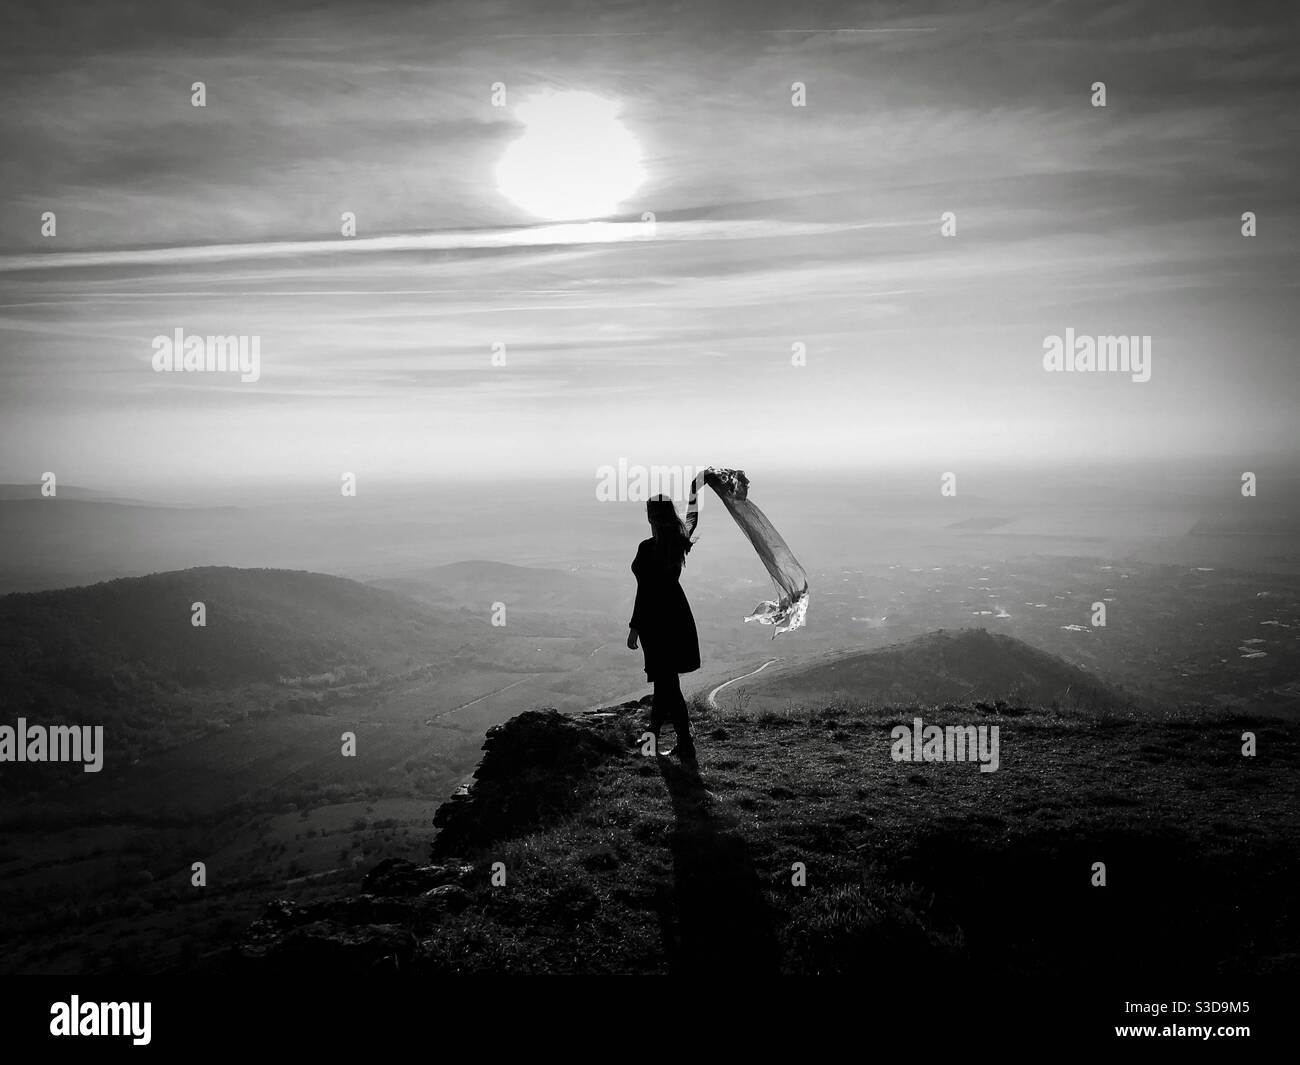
[672, 540]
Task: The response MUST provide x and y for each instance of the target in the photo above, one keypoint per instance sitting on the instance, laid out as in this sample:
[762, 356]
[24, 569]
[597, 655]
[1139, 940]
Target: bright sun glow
[574, 160]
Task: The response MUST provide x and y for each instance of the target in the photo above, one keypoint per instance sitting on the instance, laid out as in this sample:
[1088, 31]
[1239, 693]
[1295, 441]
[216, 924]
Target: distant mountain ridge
[80, 537]
[9, 492]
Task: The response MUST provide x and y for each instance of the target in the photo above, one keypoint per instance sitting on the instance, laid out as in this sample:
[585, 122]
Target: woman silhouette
[661, 616]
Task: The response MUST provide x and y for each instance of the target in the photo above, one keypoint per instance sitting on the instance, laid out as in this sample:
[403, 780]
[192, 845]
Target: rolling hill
[125, 654]
[969, 665]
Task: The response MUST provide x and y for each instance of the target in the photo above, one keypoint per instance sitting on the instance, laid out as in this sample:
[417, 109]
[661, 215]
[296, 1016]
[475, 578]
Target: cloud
[773, 225]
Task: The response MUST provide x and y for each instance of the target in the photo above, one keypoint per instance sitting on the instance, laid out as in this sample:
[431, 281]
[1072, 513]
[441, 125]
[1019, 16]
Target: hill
[125, 654]
[615, 862]
[963, 666]
[220, 743]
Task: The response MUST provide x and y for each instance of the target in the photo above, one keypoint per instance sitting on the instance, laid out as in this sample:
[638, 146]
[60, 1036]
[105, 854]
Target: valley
[222, 743]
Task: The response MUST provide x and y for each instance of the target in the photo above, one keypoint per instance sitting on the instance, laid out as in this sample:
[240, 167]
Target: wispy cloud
[774, 226]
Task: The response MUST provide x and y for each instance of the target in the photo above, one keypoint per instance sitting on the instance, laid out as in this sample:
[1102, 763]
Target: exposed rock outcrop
[532, 772]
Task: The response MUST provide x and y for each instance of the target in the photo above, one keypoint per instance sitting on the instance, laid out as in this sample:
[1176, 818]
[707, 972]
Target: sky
[774, 226]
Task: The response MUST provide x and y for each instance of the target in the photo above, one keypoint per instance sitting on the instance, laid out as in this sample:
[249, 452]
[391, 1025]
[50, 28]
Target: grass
[798, 846]
[921, 867]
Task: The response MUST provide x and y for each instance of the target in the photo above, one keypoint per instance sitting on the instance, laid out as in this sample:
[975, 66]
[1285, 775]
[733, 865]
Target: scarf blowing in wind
[790, 609]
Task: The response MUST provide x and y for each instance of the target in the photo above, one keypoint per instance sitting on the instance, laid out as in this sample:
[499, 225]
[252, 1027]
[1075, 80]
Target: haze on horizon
[774, 225]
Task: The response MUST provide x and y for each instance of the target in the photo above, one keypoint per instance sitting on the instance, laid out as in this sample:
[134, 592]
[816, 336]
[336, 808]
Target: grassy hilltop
[619, 863]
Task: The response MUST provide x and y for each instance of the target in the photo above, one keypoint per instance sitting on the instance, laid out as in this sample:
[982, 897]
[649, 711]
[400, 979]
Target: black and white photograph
[720, 491]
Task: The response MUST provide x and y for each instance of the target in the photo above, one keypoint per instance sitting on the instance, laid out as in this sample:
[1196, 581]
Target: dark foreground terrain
[614, 862]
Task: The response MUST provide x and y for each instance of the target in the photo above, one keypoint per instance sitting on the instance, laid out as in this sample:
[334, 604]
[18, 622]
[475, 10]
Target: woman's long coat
[662, 616]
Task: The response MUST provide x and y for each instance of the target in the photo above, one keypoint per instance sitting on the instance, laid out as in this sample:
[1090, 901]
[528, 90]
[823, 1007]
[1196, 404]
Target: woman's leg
[678, 712]
[659, 706]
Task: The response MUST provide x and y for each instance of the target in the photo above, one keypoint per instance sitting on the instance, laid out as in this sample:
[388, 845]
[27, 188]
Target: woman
[661, 616]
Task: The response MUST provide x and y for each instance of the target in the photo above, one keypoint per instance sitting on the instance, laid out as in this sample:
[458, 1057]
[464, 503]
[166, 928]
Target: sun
[574, 160]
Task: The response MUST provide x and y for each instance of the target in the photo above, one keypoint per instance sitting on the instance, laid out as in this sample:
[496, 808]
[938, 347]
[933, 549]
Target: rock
[531, 771]
[450, 896]
[281, 913]
[397, 876]
[385, 872]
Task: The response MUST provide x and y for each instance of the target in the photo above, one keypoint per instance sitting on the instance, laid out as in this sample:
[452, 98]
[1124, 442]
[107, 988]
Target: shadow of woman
[723, 923]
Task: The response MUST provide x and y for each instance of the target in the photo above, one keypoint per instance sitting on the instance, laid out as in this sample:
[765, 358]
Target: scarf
[790, 609]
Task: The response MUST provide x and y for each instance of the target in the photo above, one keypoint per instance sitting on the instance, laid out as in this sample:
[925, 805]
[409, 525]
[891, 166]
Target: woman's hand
[631, 639]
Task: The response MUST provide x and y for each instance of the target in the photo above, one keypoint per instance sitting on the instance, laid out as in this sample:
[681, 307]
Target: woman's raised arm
[693, 504]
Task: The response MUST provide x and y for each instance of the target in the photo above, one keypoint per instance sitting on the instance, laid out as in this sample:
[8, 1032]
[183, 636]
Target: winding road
[713, 702]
